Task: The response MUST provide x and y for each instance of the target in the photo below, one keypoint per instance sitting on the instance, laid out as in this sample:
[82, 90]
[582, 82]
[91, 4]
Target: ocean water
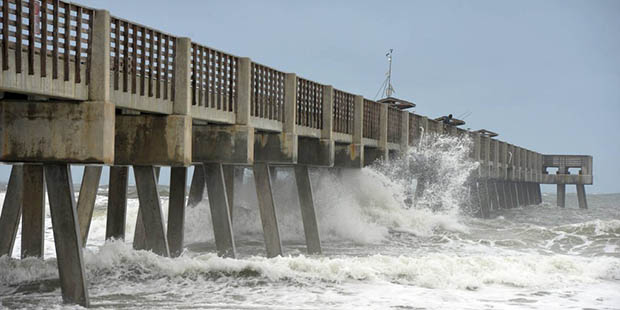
[379, 252]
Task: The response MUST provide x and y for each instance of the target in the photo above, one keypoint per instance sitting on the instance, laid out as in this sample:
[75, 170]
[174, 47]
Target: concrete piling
[139, 239]
[33, 212]
[117, 203]
[267, 210]
[229, 180]
[197, 186]
[11, 210]
[561, 198]
[176, 210]
[581, 196]
[308, 212]
[67, 237]
[150, 210]
[220, 210]
[483, 194]
[87, 197]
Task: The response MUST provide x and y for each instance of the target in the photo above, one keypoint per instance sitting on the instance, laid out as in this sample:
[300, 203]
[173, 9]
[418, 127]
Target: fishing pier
[81, 87]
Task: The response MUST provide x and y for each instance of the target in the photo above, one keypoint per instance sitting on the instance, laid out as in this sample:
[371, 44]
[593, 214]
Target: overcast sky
[545, 75]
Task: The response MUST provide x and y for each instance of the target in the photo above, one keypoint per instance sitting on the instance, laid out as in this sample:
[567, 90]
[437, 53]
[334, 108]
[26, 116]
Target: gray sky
[543, 74]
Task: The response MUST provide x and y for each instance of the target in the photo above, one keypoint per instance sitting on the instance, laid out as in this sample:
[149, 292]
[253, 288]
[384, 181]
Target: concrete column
[86, 199]
[182, 104]
[513, 194]
[99, 85]
[581, 196]
[358, 121]
[538, 193]
[244, 90]
[501, 195]
[308, 214]
[117, 203]
[219, 204]
[33, 211]
[139, 241]
[229, 180]
[483, 193]
[197, 187]
[521, 193]
[383, 127]
[561, 191]
[266, 206]
[67, 238]
[328, 115]
[11, 210]
[404, 131]
[176, 210]
[150, 211]
[290, 104]
[494, 196]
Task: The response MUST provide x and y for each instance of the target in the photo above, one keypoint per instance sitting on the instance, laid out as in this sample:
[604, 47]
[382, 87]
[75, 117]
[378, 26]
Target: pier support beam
[561, 192]
[308, 213]
[220, 210]
[501, 195]
[11, 210]
[176, 210]
[229, 180]
[581, 196]
[66, 234]
[512, 187]
[538, 193]
[117, 203]
[86, 200]
[150, 210]
[262, 178]
[483, 193]
[522, 190]
[493, 195]
[33, 212]
[197, 187]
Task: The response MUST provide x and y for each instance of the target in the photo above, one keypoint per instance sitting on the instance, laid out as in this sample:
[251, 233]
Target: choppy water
[378, 253]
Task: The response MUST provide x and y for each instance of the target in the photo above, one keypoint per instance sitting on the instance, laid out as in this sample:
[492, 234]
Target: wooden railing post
[244, 91]
[383, 127]
[328, 117]
[99, 86]
[290, 103]
[404, 131]
[182, 77]
[358, 120]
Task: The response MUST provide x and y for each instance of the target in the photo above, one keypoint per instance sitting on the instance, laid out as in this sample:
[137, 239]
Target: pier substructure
[176, 210]
[197, 186]
[11, 210]
[67, 237]
[33, 212]
[308, 212]
[501, 195]
[561, 195]
[581, 196]
[220, 209]
[87, 198]
[266, 204]
[117, 203]
[483, 194]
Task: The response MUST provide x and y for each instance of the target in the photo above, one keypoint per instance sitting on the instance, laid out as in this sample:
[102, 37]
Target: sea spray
[443, 165]
[359, 205]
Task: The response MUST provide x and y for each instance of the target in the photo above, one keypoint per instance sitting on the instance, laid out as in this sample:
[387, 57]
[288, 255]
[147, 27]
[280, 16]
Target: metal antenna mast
[389, 89]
